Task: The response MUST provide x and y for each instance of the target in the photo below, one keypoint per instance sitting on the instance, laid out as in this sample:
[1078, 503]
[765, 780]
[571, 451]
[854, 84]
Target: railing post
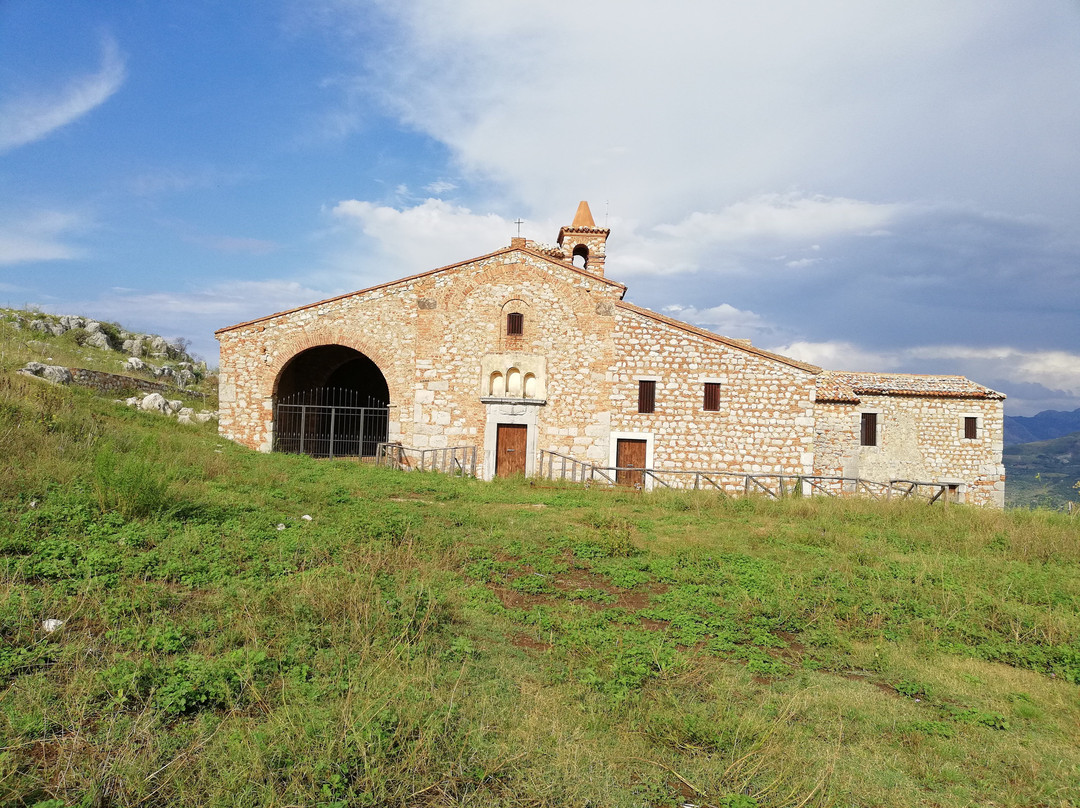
[333, 412]
[303, 425]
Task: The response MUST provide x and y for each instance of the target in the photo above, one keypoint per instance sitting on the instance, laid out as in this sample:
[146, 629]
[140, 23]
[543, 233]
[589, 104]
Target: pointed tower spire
[585, 242]
[583, 217]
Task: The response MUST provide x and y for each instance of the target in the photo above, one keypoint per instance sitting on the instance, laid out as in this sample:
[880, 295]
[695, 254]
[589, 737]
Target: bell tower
[584, 241]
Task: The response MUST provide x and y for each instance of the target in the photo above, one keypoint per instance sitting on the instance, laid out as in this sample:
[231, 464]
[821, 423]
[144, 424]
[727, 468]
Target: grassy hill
[1043, 474]
[426, 640]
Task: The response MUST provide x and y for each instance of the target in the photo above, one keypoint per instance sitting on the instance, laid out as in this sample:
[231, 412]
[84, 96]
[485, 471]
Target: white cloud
[439, 187]
[40, 237]
[1055, 373]
[30, 117]
[239, 300]
[839, 356]
[783, 217]
[428, 235]
[868, 100]
[723, 319]
[198, 313]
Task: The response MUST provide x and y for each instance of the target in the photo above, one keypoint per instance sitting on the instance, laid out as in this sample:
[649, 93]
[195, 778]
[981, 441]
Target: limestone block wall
[766, 416]
[429, 335]
[565, 343]
[379, 323]
[919, 438]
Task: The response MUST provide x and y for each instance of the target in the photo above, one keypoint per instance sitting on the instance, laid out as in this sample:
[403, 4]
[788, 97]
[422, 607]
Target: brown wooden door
[510, 442]
[630, 453]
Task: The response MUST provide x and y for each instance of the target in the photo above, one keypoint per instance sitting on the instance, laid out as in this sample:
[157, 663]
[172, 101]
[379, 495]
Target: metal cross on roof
[519, 223]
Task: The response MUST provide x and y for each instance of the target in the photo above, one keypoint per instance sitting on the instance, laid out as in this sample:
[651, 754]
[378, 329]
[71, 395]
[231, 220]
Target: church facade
[532, 347]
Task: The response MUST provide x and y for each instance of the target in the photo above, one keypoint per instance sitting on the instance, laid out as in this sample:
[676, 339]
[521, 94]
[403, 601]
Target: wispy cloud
[40, 237]
[723, 319]
[30, 117]
[784, 217]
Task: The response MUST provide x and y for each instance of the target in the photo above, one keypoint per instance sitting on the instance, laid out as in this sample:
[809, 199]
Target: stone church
[532, 347]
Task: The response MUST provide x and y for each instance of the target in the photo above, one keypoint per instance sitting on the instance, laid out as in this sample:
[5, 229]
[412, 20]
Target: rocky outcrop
[108, 336]
[155, 402]
[50, 373]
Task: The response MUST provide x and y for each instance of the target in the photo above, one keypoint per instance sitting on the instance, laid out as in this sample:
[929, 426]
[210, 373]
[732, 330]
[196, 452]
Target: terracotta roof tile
[847, 386]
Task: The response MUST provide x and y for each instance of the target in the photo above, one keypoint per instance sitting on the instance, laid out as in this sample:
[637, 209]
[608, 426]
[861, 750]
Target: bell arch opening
[331, 401]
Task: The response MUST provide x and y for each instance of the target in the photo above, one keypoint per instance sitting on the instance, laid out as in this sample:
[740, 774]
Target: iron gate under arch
[330, 422]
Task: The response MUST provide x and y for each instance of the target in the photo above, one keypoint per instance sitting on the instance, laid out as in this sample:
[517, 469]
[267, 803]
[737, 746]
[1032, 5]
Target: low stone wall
[115, 383]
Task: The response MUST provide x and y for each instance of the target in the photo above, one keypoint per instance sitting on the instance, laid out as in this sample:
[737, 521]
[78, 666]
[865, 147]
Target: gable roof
[741, 345]
[846, 386]
[410, 278]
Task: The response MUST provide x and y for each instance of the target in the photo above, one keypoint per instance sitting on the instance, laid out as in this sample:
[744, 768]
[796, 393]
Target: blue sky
[864, 185]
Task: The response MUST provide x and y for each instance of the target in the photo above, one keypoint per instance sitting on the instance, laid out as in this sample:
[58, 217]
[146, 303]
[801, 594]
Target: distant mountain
[1047, 425]
[1043, 473]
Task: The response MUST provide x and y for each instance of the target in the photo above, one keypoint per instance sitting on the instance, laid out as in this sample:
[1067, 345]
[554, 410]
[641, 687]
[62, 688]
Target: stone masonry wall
[428, 335]
[766, 416]
[380, 324]
[562, 327]
[919, 438]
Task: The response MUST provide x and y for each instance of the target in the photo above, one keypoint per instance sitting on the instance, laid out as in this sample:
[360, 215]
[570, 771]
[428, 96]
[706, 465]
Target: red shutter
[515, 324]
[646, 396]
[712, 396]
[869, 429]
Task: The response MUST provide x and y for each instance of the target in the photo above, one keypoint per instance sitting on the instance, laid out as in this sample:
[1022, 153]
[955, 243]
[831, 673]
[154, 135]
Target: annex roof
[847, 386]
[741, 345]
[448, 267]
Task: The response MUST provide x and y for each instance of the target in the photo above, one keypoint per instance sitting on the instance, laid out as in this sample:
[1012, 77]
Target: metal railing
[456, 460]
[556, 466]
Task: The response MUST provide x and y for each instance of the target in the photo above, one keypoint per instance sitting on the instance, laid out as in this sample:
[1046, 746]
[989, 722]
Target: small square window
[712, 397]
[971, 427]
[868, 429]
[515, 324]
[646, 396]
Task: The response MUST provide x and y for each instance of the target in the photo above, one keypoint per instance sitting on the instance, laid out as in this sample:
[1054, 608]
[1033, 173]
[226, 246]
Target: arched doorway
[330, 401]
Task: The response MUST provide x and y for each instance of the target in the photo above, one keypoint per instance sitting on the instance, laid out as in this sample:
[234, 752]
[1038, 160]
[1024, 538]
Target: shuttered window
[868, 433]
[971, 428]
[712, 396]
[515, 324]
[646, 396]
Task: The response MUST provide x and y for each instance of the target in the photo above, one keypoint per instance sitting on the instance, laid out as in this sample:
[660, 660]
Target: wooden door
[510, 442]
[630, 454]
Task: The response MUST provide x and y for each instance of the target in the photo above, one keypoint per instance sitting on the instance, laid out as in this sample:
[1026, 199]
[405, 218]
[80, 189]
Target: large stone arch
[280, 356]
[330, 394]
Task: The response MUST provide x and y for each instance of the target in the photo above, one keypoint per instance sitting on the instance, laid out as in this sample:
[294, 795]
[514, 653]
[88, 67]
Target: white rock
[175, 404]
[99, 339]
[134, 401]
[154, 402]
[306, 517]
[51, 625]
[134, 363]
[280, 526]
[55, 373]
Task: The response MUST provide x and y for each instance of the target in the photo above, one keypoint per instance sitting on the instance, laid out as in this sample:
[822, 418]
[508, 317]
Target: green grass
[19, 346]
[426, 640]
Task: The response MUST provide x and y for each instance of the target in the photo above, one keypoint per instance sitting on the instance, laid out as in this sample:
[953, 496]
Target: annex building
[532, 348]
